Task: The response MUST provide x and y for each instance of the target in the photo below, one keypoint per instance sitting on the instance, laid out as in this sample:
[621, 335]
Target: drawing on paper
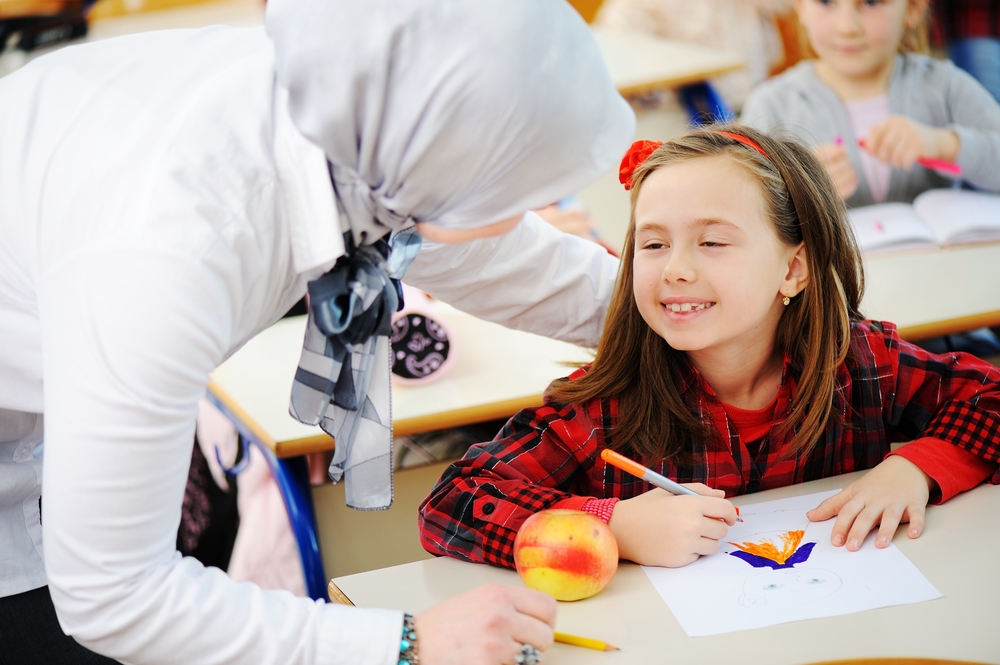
[765, 553]
[781, 584]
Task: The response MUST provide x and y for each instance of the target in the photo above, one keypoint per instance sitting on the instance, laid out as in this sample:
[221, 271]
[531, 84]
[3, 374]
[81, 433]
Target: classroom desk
[957, 553]
[936, 291]
[641, 63]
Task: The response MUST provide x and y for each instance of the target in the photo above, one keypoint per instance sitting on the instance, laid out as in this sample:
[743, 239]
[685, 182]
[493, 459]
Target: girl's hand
[660, 529]
[834, 158]
[893, 492]
[485, 626]
[900, 142]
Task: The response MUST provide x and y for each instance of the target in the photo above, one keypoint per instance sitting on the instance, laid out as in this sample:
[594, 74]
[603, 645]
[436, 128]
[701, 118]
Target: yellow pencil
[584, 642]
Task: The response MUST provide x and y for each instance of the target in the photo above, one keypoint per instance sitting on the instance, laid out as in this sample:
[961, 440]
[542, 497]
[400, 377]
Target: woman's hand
[834, 158]
[900, 142]
[660, 529]
[485, 626]
[894, 492]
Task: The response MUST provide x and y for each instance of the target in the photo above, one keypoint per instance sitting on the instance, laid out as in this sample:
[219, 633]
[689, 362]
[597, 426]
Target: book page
[959, 216]
[889, 226]
[776, 566]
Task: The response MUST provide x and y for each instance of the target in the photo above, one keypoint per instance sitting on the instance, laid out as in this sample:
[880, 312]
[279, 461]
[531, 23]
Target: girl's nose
[847, 19]
[679, 266]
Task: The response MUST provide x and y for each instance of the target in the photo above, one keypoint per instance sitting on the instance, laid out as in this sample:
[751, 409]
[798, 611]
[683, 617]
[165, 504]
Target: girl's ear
[797, 275]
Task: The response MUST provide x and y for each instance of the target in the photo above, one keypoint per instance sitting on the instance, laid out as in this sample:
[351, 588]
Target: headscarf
[455, 112]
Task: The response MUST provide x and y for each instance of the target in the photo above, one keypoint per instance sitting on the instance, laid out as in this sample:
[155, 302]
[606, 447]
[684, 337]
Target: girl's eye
[713, 243]
[653, 245]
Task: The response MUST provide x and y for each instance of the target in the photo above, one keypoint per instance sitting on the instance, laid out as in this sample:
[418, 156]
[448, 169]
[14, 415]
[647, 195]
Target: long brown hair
[643, 371]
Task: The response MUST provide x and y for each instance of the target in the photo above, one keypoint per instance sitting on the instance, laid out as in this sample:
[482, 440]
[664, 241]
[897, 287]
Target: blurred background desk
[960, 539]
[937, 291]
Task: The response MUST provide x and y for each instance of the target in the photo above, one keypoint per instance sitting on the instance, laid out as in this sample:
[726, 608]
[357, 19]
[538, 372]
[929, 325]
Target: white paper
[723, 593]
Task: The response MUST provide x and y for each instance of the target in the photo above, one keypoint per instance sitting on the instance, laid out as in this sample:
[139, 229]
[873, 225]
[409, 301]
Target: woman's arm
[130, 336]
[534, 278]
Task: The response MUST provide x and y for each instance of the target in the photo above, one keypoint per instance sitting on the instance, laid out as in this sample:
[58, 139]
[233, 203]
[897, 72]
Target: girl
[870, 107]
[733, 358]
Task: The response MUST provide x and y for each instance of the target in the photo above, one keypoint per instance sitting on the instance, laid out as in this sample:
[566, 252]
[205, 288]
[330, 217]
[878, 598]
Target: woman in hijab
[166, 196]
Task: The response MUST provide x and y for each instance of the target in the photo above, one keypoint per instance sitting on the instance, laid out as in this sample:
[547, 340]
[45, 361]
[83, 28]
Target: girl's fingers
[915, 514]
[703, 489]
[891, 518]
[863, 524]
[714, 528]
[829, 507]
[706, 546]
[846, 516]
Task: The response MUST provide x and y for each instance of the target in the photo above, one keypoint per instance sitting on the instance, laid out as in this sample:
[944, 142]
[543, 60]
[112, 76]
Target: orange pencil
[650, 476]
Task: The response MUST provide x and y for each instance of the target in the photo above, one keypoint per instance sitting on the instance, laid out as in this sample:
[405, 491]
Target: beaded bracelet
[408, 642]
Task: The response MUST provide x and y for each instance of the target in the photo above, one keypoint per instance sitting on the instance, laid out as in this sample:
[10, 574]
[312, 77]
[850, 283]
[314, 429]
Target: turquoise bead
[403, 661]
[404, 645]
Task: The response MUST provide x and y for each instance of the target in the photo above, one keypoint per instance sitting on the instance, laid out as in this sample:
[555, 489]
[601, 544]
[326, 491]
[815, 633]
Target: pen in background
[650, 476]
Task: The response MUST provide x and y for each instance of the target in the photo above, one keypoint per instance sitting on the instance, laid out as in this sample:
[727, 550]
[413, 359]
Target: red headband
[639, 151]
[745, 141]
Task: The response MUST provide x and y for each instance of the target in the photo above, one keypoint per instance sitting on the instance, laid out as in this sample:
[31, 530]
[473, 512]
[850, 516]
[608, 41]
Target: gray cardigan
[932, 92]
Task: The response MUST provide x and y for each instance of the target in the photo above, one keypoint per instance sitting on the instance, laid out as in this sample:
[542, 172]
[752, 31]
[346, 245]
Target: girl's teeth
[688, 307]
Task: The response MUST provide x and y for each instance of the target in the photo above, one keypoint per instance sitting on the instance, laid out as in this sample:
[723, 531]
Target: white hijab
[456, 112]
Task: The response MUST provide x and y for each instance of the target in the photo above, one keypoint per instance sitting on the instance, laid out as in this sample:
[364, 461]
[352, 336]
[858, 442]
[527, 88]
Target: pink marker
[934, 164]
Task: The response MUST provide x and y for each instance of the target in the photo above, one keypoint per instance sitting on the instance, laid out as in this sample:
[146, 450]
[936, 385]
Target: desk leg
[292, 476]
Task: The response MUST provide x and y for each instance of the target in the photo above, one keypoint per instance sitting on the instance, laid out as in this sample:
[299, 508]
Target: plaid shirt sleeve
[539, 459]
[953, 397]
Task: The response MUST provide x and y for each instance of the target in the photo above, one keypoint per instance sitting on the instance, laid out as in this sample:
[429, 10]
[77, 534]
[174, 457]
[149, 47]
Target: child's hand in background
[834, 158]
[660, 529]
[900, 142]
[893, 492]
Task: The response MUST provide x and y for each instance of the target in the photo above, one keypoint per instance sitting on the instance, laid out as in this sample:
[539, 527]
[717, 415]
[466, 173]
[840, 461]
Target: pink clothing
[864, 115]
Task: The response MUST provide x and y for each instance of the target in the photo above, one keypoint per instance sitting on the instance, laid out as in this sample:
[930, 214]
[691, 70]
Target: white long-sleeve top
[158, 209]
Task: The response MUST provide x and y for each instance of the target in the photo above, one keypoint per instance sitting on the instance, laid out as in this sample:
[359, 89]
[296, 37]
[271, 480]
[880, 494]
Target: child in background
[733, 359]
[868, 85]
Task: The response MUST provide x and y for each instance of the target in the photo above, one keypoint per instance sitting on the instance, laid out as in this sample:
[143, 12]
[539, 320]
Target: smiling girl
[734, 359]
[870, 106]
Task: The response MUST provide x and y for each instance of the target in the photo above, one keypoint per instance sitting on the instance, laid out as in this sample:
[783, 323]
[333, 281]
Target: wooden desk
[641, 63]
[932, 292]
[957, 553]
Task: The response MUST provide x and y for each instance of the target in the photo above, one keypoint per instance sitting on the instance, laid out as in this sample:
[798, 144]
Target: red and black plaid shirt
[889, 391]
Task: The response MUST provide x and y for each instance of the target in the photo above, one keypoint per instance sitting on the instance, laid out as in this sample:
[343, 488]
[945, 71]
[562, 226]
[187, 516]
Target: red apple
[568, 554]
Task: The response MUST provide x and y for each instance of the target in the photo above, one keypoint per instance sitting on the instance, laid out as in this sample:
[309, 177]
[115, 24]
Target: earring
[785, 301]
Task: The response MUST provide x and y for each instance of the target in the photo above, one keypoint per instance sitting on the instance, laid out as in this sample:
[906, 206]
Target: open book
[936, 217]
